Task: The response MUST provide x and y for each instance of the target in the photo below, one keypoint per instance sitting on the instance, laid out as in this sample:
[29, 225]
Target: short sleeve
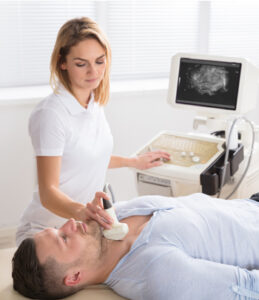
[47, 133]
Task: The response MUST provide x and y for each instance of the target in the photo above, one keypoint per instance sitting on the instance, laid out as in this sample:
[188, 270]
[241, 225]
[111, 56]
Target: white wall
[16, 180]
[134, 118]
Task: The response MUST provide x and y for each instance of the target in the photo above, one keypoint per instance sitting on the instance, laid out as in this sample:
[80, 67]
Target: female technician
[70, 135]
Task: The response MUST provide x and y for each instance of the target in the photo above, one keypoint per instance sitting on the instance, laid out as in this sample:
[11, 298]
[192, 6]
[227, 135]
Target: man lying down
[194, 247]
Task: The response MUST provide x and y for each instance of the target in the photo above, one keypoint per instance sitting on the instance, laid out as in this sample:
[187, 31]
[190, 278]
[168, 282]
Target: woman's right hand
[94, 211]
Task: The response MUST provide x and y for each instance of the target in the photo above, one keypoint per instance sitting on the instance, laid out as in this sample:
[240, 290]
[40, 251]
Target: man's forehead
[46, 243]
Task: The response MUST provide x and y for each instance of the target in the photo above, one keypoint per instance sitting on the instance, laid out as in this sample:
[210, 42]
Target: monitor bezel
[173, 84]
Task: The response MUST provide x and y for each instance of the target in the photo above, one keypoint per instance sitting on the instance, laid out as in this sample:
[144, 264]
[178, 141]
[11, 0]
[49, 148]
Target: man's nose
[69, 226]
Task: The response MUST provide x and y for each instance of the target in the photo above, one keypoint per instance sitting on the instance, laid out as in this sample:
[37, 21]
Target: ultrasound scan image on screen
[208, 83]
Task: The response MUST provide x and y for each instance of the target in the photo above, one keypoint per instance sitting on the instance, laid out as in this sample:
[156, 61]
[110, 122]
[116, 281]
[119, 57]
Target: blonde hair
[69, 35]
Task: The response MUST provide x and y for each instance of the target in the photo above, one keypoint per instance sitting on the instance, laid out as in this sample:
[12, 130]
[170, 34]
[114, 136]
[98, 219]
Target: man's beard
[95, 230]
[96, 233]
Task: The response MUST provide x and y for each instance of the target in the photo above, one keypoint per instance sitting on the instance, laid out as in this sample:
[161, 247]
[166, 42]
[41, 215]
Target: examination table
[98, 292]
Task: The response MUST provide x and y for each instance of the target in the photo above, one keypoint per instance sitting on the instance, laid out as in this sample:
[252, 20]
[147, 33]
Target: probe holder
[211, 178]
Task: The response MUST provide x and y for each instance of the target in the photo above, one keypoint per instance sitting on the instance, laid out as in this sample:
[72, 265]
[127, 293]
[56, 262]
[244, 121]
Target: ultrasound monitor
[212, 85]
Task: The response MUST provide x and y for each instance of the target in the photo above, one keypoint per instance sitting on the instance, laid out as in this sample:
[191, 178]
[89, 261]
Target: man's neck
[115, 250]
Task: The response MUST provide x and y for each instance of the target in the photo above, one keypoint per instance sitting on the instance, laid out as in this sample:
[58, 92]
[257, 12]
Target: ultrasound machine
[223, 161]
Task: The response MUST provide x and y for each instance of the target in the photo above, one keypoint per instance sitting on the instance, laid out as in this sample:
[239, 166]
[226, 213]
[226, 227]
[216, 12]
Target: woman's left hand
[151, 159]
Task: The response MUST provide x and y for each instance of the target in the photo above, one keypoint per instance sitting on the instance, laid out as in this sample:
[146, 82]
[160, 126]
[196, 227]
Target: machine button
[195, 159]
[183, 153]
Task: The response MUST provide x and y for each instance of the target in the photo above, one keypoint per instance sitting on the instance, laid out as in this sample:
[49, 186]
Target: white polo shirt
[60, 126]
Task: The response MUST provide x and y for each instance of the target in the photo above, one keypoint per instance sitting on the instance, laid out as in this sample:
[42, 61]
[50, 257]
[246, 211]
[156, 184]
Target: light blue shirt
[194, 247]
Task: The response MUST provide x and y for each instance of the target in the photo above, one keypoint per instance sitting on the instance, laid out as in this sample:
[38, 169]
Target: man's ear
[74, 278]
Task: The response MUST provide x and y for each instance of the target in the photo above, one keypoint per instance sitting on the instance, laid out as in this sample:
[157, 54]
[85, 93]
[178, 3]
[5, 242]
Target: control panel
[185, 151]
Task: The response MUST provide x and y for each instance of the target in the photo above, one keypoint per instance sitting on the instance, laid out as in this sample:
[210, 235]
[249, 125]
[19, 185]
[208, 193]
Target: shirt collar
[71, 103]
[142, 239]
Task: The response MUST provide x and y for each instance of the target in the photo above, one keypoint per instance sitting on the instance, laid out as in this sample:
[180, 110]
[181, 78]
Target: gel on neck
[118, 230]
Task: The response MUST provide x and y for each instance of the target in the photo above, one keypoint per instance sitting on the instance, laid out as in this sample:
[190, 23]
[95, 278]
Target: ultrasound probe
[118, 230]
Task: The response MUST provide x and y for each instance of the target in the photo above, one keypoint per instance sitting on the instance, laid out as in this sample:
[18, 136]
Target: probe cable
[107, 188]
